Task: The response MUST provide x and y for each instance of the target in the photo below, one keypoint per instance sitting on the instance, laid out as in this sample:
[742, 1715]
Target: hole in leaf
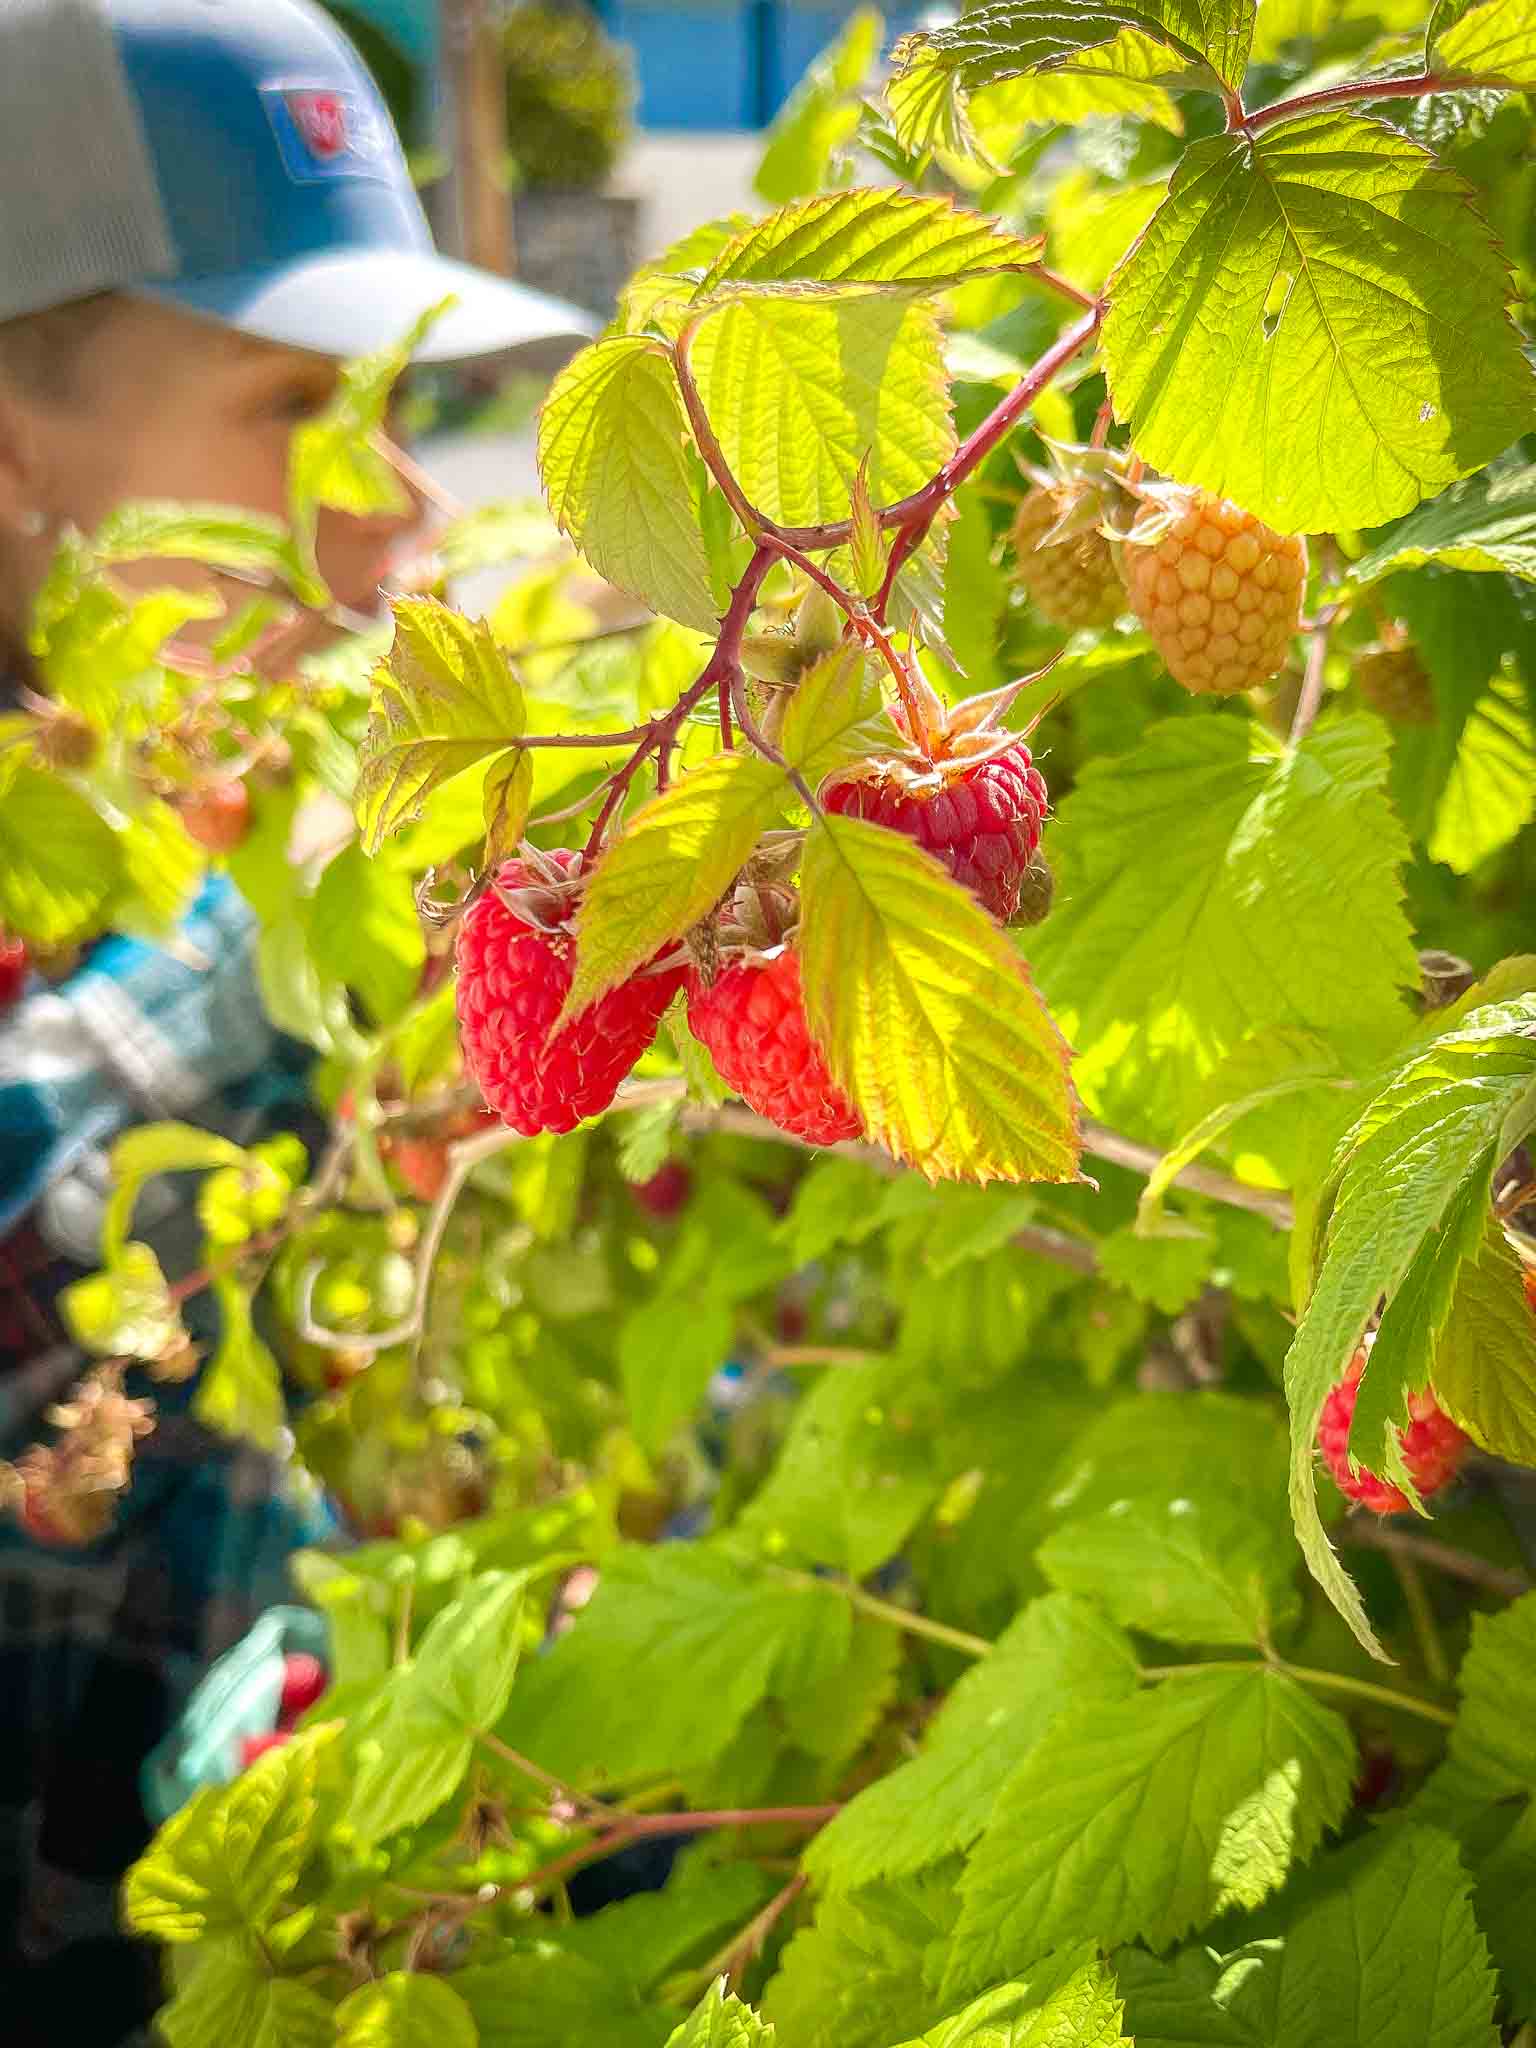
[1275, 302]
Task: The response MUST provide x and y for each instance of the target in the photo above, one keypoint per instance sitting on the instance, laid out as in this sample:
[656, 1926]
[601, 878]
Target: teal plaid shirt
[100, 1648]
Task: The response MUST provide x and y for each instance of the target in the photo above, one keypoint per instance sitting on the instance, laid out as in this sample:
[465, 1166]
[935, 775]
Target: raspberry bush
[926, 1047]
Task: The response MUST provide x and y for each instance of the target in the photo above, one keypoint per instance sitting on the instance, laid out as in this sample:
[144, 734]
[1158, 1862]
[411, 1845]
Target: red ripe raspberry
[13, 970]
[254, 1747]
[752, 1021]
[981, 819]
[303, 1682]
[1433, 1446]
[1218, 591]
[1528, 1281]
[513, 981]
[219, 816]
[1072, 582]
[666, 1192]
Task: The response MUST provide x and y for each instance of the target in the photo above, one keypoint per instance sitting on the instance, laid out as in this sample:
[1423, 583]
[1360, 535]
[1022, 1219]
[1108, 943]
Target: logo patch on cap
[326, 132]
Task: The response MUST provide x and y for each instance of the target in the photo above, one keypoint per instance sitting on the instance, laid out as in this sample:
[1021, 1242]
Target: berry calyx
[304, 1681]
[1432, 1445]
[1393, 681]
[217, 817]
[1217, 590]
[752, 1022]
[516, 959]
[1070, 578]
[13, 969]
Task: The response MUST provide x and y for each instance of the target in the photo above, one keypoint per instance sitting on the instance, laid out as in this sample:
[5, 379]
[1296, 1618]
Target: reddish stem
[618, 784]
[1054, 281]
[1352, 94]
[704, 434]
[636, 1827]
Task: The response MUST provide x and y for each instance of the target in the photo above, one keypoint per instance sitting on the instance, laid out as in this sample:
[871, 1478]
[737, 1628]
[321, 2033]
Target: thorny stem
[556, 1787]
[866, 620]
[1038, 273]
[1310, 702]
[637, 1827]
[747, 1943]
[617, 786]
[706, 438]
[1349, 94]
[765, 746]
[1456, 1564]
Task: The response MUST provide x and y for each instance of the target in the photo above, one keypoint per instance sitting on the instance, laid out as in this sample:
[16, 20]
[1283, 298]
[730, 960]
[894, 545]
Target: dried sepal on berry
[1218, 591]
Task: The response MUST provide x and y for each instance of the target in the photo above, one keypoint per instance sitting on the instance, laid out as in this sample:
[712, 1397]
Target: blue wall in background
[720, 64]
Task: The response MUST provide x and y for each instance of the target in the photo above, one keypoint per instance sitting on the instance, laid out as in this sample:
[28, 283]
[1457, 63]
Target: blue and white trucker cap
[233, 158]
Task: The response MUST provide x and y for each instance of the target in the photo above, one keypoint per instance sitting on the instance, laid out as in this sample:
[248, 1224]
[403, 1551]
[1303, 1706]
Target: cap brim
[351, 303]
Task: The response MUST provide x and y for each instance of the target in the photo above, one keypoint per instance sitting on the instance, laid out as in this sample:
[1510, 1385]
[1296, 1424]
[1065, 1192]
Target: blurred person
[204, 211]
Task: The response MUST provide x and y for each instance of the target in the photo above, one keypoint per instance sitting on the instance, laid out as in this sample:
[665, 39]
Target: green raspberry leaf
[720, 2020]
[406, 2010]
[867, 1971]
[1058, 1654]
[1383, 1933]
[1314, 324]
[1068, 2001]
[798, 393]
[445, 699]
[363, 924]
[1193, 42]
[1154, 1532]
[1266, 858]
[228, 1862]
[872, 236]
[613, 457]
[669, 1350]
[126, 1309]
[678, 855]
[1146, 1819]
[1484, 1370]
[1490, 792]
[1489, 42]
[1485, 524]
[336, 460]
[60, 861]
[702, 1638]
[232, 2000]
[240, 1391]
[413, 1746]
[926, 1014]
[1412, 1183]
[856, 1471]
